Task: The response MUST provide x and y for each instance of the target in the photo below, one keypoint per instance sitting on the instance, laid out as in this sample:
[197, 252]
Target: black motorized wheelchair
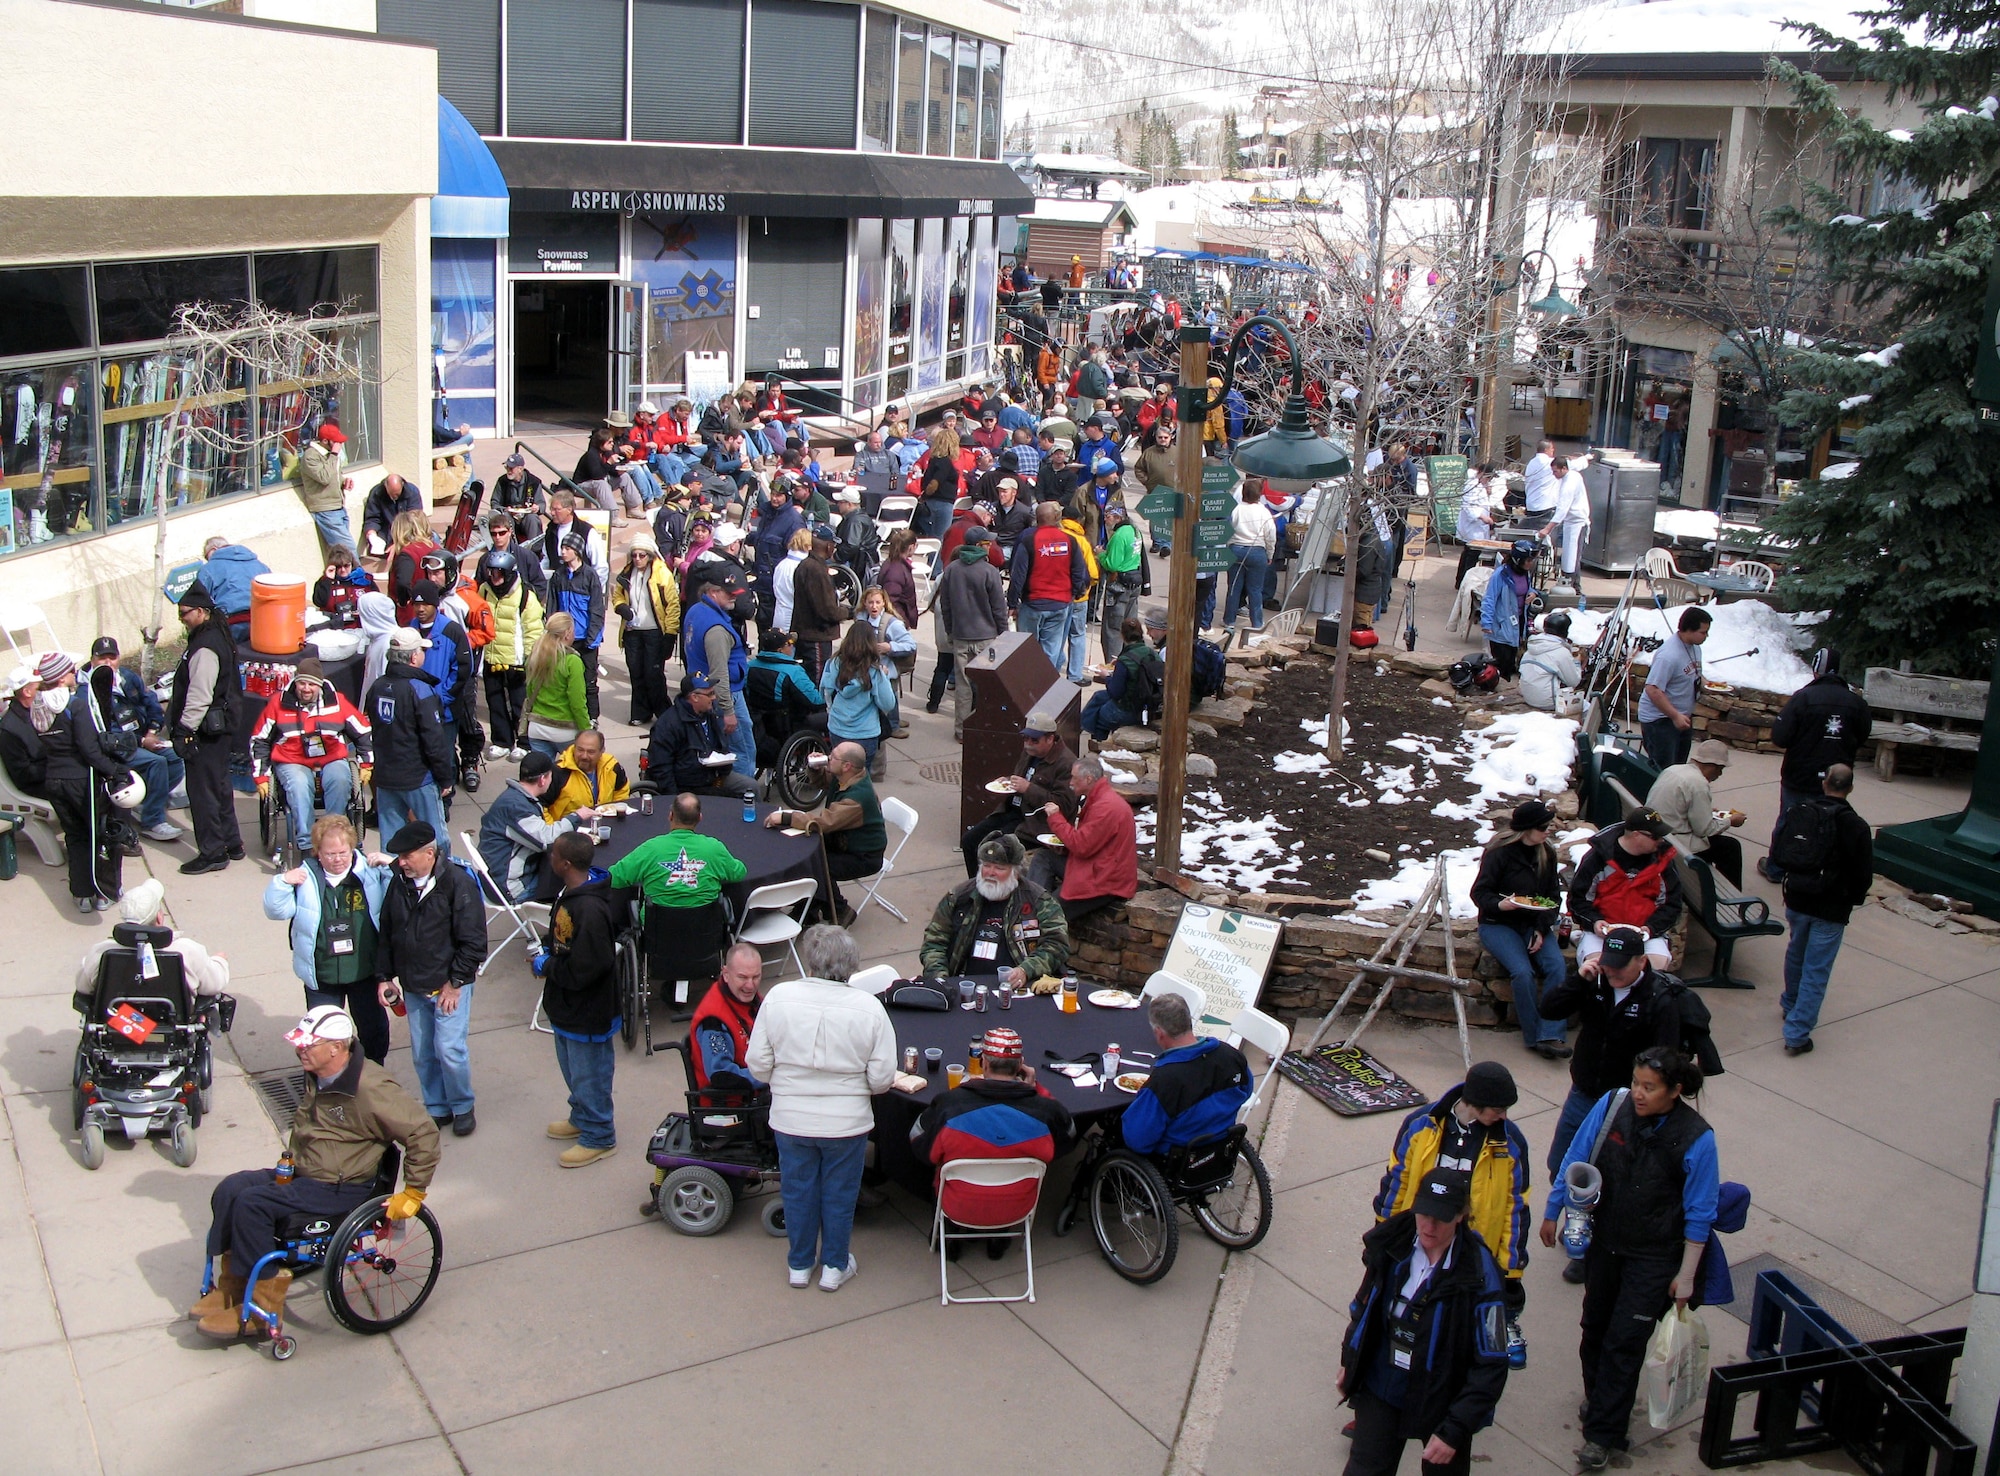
[1133, 1199]
[792, 745]
[377, 1271]
[718, 1152]
[274, 826]
[144, 1063]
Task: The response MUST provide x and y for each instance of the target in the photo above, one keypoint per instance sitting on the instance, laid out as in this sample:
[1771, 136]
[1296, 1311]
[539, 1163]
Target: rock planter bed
[1273, 826]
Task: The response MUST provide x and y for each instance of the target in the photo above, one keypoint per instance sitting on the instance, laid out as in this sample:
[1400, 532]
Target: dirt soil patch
[1322, 819]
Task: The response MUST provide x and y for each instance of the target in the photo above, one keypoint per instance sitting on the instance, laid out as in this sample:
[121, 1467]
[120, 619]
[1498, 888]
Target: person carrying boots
[1425, 1356]
[352, 1112]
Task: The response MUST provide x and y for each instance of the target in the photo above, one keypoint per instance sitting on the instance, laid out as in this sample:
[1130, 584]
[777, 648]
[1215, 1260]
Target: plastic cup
[933, 1058]
[954, 1074]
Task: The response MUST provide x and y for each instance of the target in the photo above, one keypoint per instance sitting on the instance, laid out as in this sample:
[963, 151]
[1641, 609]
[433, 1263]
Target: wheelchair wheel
[801, 784]
[774, 1217]
[695, 1200]
[93, 1145]
[631, 960]
[846, 588]
[1132, 1216]
[379, 1271]
[181, 1144]
[1239, 1212]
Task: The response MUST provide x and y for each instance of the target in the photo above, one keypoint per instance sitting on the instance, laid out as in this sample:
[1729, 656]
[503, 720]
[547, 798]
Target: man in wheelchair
[1197, 1085]
[782, 698]
[352, 1111]
[309, 732]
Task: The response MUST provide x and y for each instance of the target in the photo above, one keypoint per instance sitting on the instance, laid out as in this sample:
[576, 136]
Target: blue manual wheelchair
[377, 1271]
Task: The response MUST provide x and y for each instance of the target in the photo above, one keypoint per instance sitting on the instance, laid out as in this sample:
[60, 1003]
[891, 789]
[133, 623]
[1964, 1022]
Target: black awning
[669, 179]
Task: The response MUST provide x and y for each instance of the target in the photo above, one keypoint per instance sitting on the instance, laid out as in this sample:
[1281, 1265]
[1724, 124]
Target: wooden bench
[1723, 913]
[1904, 695]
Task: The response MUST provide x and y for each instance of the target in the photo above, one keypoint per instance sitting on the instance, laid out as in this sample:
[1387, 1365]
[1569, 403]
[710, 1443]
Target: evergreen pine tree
[1230, 147]
[1175, 158]
[1903, 553]
[1317, 160]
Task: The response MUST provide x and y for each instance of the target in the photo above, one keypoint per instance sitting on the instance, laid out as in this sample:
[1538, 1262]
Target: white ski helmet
[131, 794]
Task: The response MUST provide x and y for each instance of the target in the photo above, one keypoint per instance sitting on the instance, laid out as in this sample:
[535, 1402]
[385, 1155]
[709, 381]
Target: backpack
[1696, 1041]
[1805, 846]
[1211, 669]
[1144, 692]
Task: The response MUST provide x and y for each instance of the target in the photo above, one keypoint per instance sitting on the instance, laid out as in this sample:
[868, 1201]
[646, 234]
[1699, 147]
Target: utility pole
[1505, 229]
[1192, 390]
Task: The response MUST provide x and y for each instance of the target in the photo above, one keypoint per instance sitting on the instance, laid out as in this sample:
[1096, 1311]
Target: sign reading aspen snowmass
[1226, 955]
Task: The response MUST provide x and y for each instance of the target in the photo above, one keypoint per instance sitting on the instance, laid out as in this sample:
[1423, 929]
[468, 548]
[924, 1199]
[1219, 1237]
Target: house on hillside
[1694, 288]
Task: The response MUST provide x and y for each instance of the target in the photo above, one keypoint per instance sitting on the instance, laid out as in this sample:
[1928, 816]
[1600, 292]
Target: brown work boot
[227, 1292]
[564, 1131]
[270, 1296]
[578, 1156]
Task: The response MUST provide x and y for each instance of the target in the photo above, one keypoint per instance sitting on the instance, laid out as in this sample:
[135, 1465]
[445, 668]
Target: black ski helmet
[1557, 624]
[498, 570]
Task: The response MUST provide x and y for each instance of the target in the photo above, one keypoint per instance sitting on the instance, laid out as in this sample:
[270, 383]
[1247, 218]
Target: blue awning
[471, 199]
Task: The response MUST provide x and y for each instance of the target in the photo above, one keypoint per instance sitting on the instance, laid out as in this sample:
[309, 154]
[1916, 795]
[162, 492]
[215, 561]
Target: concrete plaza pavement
[569, 1330]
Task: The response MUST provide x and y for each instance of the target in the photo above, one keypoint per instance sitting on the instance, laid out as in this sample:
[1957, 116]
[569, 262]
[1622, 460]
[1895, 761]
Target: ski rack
[1607, 668]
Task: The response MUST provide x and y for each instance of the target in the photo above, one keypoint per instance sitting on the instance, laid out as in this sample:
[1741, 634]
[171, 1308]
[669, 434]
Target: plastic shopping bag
[1676, 1369]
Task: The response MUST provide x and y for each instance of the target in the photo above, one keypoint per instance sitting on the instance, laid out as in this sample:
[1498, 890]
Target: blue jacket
[1194, 1092]
[1500, 616]
[854, 711]
[299, 906]
[134, 705]
[448, 658]
[579, 594]
[1700, 1189]
[701, 619]
[1013, 418]
[227, 577]
[774, 534]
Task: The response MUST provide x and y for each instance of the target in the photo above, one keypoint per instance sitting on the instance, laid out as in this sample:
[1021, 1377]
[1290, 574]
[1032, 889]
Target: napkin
[905, 1082]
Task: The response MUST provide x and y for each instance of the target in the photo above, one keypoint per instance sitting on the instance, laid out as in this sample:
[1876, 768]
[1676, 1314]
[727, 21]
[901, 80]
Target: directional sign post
[1162, 504]
[1211, 535]
[1219, 476]
[1218, 505]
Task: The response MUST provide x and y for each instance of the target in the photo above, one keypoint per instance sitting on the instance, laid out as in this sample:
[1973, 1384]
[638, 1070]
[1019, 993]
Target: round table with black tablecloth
[768, 856]
[1043, 1027]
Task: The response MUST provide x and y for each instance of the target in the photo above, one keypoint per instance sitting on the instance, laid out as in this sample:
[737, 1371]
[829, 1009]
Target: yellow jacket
[1498, 1208]
[572, 789]
[666, 597]
[1076, 530]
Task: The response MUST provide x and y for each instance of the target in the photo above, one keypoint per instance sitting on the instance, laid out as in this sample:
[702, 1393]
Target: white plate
[1113, 999]
[999, 786]
[1137, 1078]
[1052, 841]
[615, 808]
[717, 760]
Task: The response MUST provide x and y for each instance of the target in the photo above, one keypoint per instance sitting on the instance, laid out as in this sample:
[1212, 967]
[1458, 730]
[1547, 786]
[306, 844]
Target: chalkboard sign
[1226, 955]
[1447, 479]
[1350, 1081]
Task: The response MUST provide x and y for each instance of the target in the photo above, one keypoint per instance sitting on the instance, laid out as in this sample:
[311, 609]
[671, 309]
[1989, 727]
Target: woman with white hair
[207, 973]
[333, 901]
[825, 1049]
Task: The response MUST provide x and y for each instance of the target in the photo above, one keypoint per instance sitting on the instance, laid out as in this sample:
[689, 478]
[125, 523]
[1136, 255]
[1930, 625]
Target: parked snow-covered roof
[1682, 27]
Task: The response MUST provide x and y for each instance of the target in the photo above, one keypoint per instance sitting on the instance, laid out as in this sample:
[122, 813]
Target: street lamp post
[1499, 360]
[1291, 455]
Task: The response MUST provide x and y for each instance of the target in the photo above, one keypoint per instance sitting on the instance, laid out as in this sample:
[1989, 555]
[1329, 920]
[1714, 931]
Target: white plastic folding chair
[923, 554]
[893, 513]
[776, 914]
[25, 615]
[987, 1173]
[1273, 1037]
[874, 979]
[1660, 564]
[1165, 983]
[497, 902]
[903, 820]
[1763, 573]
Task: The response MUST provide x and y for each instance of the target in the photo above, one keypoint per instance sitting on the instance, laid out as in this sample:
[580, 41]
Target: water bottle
[285, 1169]
[749, 809]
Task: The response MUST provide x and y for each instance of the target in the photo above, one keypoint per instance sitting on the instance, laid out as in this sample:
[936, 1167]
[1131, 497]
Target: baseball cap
[726, 534]
[1648, 822]
[534, 764]
[103, 646]
[845, 495]
[1041, 722]
[402, 638]
[1708, 751]
[699, 681]
[1532, 815]
[1007, 482]
[321, 1022]
[1622, 945]
[513, 461]
[412, 837]
[977, 535]
[331, 433]
[1489, 1084]
[731, 584]
[1441, 1195]
[1002, 1044]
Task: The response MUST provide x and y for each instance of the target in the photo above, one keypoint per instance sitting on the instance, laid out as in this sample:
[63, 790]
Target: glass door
[628, 344]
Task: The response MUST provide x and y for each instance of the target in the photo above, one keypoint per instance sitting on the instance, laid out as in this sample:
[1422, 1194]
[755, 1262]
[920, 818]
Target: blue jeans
[1666, 745]
[932, 518]
[586, 1068]
[334, 529]
[1204, 591]
[1101, 715]
[1048, 622]
[1079, 640]
[669, 467]
[1532, 973]
[820, 1179]
[1247, 570]
[650, 490]
[163, 772]
[743, 742]
[1809, 955]
[867, 745]
[438, 1050]
[297, 782]
[393, 807]
[1576, 1107]
[542, 745]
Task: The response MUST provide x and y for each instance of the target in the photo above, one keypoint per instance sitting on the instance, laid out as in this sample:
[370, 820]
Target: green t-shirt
[682, 868]
[1121, 554]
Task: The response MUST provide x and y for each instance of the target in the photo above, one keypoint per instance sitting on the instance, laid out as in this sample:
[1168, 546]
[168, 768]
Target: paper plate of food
[999, 786]
[1130, 1081]
[1051, 840]
[1534, 904]
[1113, 999]
[717, 760]
[615, 808]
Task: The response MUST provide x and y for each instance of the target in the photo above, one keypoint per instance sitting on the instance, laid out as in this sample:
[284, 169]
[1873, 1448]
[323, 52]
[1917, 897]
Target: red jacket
[287, 733]
[724, 1009]
[1103, 846]
[955, 536]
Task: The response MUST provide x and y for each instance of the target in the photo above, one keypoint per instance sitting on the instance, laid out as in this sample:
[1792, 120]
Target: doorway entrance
[562, 352]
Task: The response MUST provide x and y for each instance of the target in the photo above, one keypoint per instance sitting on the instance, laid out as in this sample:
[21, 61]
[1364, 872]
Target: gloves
[1047, 984]
[403, 1204]
[264, 788]
[368, 774]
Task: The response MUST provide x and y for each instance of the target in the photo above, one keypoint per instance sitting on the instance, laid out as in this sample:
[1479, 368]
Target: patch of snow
[1855, 402]
[1882, 358]
[1316, 729]
[1117, 775]
[1747, 624]
[1687, 522]
[1847, 220]
[1461, 868]
[1898, 135]
[1300, 763]
[1839, 471]
[1440, 702]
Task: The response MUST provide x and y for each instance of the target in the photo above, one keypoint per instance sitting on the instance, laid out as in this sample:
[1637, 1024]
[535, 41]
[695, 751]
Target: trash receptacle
[1010, 678]
[1624, 495]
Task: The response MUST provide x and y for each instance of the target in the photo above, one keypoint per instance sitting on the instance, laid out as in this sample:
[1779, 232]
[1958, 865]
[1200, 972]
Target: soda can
[646, 804]
[910, 1059]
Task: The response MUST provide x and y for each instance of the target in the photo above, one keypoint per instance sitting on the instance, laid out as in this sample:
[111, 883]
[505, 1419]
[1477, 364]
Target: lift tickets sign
[651, 202]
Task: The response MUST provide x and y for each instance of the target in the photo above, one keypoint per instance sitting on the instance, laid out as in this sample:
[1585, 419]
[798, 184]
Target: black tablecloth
[264, 674]
[1042, 1026]
[768, 856]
